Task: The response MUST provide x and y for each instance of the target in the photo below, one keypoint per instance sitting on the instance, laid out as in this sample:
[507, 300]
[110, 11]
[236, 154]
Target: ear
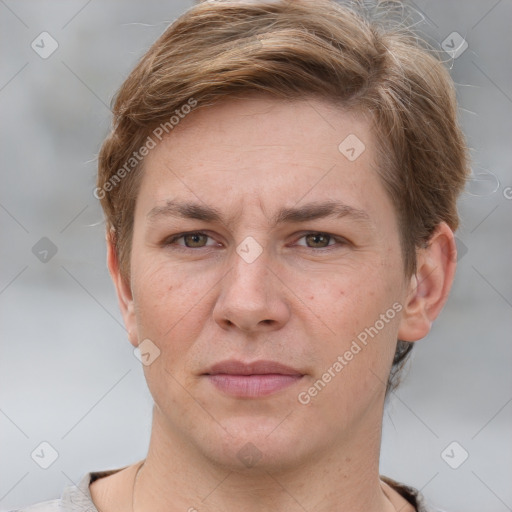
[429, 288]
[124, 292]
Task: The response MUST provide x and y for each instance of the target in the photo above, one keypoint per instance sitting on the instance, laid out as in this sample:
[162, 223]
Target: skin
[301, 302]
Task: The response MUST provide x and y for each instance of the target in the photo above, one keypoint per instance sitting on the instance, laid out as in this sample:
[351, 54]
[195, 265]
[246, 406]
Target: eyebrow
[307, 212]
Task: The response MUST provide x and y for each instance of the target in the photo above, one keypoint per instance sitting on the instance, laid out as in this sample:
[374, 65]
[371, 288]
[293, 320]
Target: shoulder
[44, 506]
[412, 495]
[74, 498]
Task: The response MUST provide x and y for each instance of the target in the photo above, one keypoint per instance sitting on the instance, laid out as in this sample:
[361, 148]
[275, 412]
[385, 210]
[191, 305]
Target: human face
[260, 282]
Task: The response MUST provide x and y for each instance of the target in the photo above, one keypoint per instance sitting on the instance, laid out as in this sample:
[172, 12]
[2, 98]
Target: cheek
[362, 320]
[170, 311]
[348, 297]
[167, 302]
[354, 361]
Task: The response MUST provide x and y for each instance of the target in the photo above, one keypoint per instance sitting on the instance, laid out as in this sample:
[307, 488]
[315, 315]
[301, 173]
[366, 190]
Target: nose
[252, 297]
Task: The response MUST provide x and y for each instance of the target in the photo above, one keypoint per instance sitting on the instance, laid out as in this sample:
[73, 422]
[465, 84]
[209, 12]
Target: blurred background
[68, 375]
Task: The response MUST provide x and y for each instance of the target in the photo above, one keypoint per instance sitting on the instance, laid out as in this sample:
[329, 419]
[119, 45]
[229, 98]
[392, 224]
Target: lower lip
[252, 386]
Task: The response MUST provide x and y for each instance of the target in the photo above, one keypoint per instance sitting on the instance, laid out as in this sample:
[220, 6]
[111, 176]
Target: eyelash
[171, 241]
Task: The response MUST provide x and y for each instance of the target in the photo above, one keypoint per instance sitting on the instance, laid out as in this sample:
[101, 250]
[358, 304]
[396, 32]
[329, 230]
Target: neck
[176, 477]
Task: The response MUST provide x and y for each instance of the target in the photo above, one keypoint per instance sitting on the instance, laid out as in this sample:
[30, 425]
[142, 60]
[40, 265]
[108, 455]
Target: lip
[235, 367]
[252, 380]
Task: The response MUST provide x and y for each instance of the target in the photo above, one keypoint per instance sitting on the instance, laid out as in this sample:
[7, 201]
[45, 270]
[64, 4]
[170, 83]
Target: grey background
[68, 375]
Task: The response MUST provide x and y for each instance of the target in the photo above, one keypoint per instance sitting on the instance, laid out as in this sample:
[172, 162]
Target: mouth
[252, 380]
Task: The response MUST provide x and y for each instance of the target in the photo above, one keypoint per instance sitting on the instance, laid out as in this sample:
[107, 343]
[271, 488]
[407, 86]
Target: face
[264, 237]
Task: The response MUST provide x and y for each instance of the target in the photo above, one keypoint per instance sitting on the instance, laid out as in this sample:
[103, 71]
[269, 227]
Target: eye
[199, 240]
[317, 240]
[195, 240]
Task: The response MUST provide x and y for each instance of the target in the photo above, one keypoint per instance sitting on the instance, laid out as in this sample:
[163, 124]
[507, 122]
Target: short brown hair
[294, 49]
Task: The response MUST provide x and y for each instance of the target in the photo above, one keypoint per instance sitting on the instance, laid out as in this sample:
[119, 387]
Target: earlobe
[123, 290]
[430, 286]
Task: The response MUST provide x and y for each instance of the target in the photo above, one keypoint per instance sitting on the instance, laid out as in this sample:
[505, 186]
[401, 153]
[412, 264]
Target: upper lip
[235, 367]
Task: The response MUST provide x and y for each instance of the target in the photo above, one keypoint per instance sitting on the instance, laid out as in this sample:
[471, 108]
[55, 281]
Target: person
[279, 187]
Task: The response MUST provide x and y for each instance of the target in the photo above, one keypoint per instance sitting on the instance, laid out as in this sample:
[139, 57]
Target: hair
[296, 49]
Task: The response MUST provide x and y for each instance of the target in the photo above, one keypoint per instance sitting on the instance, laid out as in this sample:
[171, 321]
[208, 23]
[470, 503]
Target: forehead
[308, 127]
[271, 151]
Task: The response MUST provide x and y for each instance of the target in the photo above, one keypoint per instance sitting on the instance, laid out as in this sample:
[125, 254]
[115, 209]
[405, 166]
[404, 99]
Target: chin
[251, 445]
